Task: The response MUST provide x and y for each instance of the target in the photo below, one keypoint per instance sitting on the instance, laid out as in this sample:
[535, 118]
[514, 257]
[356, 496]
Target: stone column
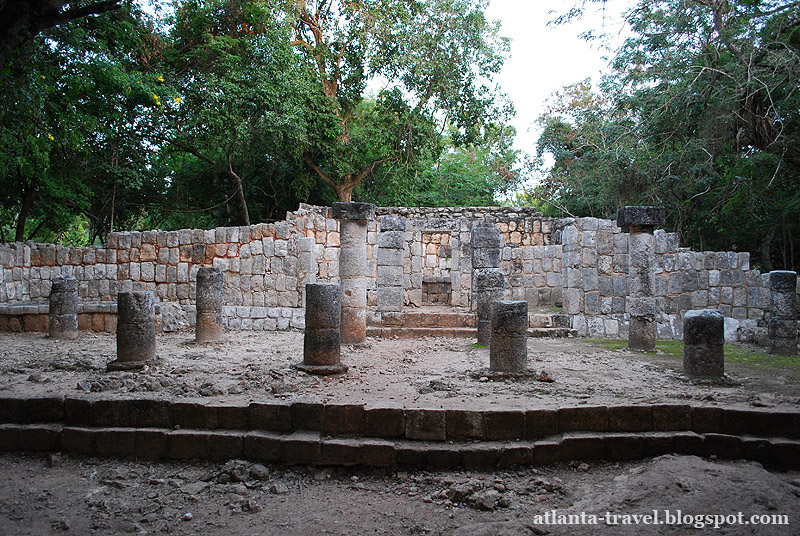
[486, 245]
[641, 303]
[63, 321]
[489, 287]
[136, 331]
[210, 283]
[782, 324]
[353, 218]
[508, 351]
[391, 243]
[703, 339]
[322, 339]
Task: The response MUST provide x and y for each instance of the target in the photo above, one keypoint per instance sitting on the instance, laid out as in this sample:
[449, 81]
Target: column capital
[641, 218]
[353, 211]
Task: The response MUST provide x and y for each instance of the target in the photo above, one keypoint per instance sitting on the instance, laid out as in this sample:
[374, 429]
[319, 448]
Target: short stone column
[490, 284]
[210, 283]
[703, 339]
[322, 339]
[641, 303]
[353, 218]
[63, 317]
[391, 243]
[508, 351]
[136, 331]
[782, 324]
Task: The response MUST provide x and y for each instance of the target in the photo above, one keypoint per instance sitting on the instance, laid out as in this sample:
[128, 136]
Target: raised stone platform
[438, 321]
[385, 436]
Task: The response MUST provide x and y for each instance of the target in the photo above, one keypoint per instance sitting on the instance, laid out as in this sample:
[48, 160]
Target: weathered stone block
[671, 417]
[630, 419]
[263, 446]
[706, 419]
[344, 419]
[583, 419]
[428, 424]
[641, 216]
[353, 211]
[308, 415]
[464, 424]
[274, 416]
[392, 223]
[302, 447]
[388, 422]
[504, 424]
[703, 337]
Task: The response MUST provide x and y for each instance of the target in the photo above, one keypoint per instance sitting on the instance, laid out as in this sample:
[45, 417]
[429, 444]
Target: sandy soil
[79, 495]
[433, 373]
[56, 494]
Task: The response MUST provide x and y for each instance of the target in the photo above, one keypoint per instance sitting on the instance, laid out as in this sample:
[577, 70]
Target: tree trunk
[344, 193]
[242, 202]
[766, 250]
[24, 212]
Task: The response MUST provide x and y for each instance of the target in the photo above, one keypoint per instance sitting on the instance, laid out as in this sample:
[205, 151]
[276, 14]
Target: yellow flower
[50, 137]
[42, 76]
[160, 78]
[177, 99]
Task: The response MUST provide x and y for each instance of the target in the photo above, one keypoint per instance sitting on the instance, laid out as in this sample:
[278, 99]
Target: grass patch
[735, 354]
[745, 355]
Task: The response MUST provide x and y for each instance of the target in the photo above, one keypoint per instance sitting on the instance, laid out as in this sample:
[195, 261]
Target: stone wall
[595, 268]
[425, 257]
[438, 251]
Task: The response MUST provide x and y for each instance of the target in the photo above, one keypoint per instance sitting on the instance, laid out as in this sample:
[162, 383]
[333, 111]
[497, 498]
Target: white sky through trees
[545, 58]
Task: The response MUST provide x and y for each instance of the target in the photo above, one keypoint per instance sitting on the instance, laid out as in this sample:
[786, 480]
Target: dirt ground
[55, 494]
[79, 495]
[430, 373]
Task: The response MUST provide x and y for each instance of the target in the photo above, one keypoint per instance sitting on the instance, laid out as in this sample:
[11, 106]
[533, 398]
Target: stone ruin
[583, 274]
[339, 273]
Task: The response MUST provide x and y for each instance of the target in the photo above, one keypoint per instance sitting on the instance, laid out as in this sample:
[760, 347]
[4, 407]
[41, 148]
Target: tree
[700, 114]
[73, 125]
[465, 175]
[436, 58]
[22, 20]
[240, 102]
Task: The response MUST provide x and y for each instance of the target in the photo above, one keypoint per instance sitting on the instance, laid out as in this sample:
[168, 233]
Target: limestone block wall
[595, 268]
[580, 264]
[438, 250]
[266, 267]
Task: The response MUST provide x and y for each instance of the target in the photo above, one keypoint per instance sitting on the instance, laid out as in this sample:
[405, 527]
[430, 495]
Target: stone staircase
[439, 321]
[311, 432]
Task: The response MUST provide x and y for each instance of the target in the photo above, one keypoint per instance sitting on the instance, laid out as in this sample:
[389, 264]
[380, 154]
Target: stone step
[418, 333]
[315, 448]
[549, 320]
[449, 318]
[387, 421]
[552, 332]
[426, 319]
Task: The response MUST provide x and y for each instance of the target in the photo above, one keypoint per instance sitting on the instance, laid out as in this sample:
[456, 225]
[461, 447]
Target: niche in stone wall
[437, 252]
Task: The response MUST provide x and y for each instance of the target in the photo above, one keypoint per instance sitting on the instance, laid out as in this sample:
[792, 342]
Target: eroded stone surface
[703, 338]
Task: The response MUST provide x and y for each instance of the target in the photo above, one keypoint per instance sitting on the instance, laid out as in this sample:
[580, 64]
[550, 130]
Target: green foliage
[232, 111]
[437, 58]
[73, 121]
[240, 111]
[700, 114]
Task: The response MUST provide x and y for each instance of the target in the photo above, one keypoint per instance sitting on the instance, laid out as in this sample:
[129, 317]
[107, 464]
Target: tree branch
[322, 175]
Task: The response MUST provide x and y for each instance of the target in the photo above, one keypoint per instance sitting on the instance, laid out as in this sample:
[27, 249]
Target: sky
[545, 58]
